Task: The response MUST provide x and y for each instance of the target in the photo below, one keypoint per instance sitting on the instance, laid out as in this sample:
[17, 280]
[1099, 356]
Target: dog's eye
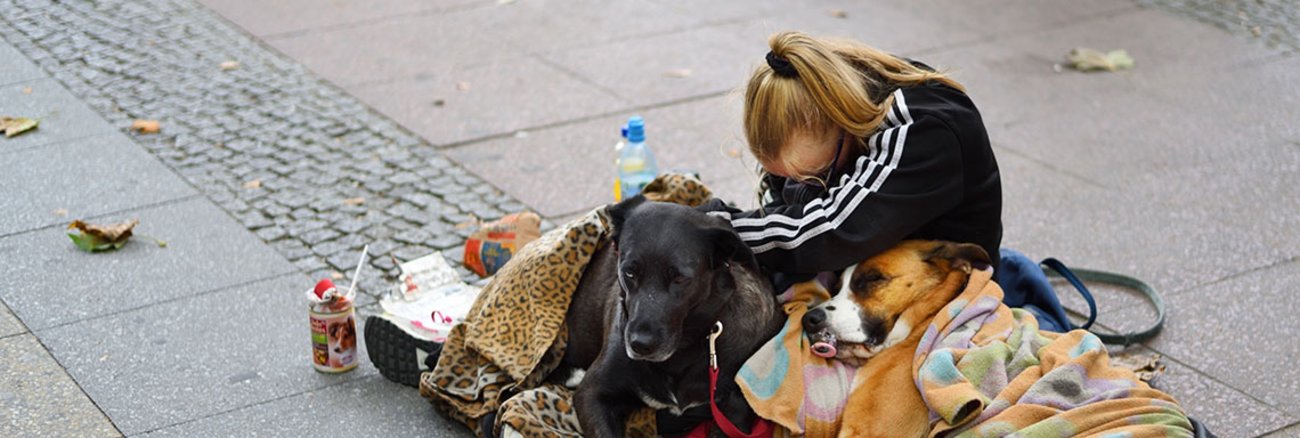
[862, 282]
[681, 279]
[628, 275]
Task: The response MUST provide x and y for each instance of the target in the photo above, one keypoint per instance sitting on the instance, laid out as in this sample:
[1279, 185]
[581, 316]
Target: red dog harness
[760, 428]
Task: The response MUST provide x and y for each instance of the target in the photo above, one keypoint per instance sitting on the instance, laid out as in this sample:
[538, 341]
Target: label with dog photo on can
[334, 341]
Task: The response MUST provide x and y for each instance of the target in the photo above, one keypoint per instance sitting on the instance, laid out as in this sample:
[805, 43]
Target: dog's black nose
[814, 320]
[641, 344]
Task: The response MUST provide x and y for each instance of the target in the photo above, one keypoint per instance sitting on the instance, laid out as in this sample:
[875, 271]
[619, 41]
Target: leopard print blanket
[497, 358]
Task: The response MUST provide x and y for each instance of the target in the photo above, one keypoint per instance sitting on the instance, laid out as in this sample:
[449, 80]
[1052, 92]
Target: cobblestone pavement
[305, 166]
[1275, 21]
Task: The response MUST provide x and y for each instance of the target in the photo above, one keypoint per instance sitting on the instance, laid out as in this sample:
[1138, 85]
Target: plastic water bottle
[636, 164]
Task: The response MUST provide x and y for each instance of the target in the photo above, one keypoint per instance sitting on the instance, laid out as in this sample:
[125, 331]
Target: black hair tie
[781, 66]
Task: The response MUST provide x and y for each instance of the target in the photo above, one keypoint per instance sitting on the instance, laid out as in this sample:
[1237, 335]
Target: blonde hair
[838, 84]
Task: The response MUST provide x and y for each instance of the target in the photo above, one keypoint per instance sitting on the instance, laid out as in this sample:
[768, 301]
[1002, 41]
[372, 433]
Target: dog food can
[333, 330]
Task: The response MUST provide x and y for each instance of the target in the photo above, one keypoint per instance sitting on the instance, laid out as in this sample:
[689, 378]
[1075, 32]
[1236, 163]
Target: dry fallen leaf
[839, 14]
[60, 212]
[27, 90]
[336, 275]
[229, 65]
[96, 237]
[146, 126]
[462, 86]
[678, 73]
[354, 201]
[1147, 366]
[1256, 31]
[733, 152]
[1085, 59]
[254, 184]
[17, 125]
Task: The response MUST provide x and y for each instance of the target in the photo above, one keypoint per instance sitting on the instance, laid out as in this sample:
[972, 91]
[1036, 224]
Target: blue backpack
[1026, 285]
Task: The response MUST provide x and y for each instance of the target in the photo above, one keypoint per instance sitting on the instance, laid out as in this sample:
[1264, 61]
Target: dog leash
[1077, 276]
[761, 428]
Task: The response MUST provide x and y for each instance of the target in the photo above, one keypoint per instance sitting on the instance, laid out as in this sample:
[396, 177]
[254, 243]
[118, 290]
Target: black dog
[644, 308]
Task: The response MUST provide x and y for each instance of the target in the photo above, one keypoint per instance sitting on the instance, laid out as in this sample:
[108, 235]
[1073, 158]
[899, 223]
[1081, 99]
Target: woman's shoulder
[939, 100]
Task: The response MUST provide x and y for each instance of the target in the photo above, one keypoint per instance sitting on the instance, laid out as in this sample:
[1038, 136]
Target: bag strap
[1076, 277]
[1068, 275]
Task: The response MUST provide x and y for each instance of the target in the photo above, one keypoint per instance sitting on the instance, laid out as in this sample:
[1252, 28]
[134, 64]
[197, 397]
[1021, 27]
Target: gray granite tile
[1224, 410]
[1048, 213]
[56, 283]
[1157, 41]
[62, 116]
[1239, 330]
[85, 177]
[272, 19]
[1258, 193]
[1291, 431]
[542, 25]
[724, 12]
[527, 168]
[407, 47]
[37, 398]
[187, 359]
[16, 67]
[497, 97]
[370, 406]
[888, 27]
[1112, 127]
[9, 324]
[997, 18]
[648, 70]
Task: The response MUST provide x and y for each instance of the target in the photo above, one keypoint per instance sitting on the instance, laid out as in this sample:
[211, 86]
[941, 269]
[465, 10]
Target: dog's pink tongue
[824, 349]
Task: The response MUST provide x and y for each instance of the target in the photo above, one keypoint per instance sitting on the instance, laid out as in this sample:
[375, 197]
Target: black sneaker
[399, 355]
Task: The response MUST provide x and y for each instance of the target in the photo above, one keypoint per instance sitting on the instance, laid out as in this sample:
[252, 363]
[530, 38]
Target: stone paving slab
[406, 47]
[275, 19]
[1255, 193]
[547, 25]
[368, 406]
[87, 177]
[56, 283]
[584, 179]
[17, 67]
[995, 18]
[9, 324]
[1048, 214]
[1290, 432]
[1240, 330]
[39, 399]
[62, 116]
[482, 100]
[888, 27]
[1226, 411]
[722, 12]
[666, 67]
[196, 357]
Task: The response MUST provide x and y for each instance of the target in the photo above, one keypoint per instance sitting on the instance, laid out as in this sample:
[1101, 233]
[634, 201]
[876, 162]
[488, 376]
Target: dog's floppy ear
[962, 256]
[618, 213]
[727, 247]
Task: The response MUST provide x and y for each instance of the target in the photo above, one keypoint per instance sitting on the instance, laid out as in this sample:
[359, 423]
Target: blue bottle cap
[635, 130]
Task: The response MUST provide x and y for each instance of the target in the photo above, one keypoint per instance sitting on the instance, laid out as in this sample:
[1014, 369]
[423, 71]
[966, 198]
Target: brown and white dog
[877, 318]
[343, 342]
